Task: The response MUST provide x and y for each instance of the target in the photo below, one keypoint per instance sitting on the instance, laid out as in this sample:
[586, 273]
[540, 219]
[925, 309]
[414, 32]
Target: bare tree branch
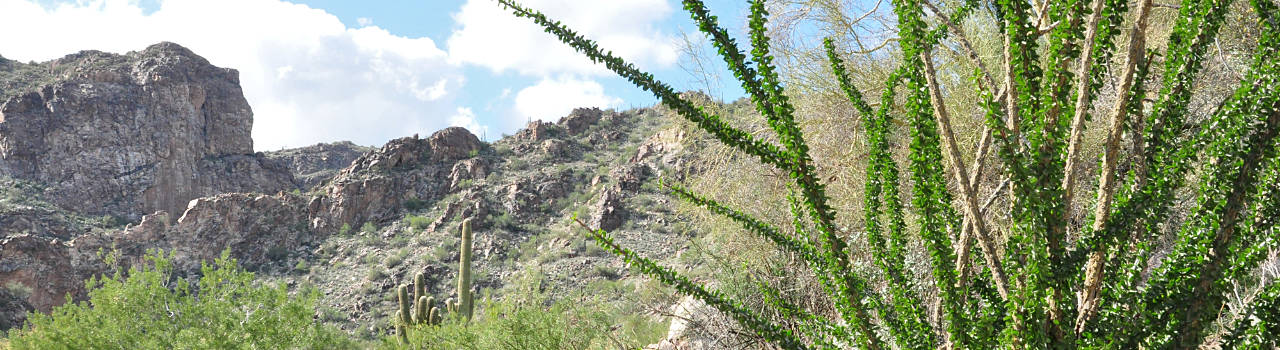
[1075, 140]
[1106, 188]
[969, 198]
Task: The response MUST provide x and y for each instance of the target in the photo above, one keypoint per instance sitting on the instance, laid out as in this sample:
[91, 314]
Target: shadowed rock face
[127, 135]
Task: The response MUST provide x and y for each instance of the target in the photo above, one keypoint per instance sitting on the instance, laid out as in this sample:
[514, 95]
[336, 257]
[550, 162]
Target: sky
[370, 71]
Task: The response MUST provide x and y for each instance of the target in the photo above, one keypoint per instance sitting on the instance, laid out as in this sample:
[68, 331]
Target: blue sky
[368, 71]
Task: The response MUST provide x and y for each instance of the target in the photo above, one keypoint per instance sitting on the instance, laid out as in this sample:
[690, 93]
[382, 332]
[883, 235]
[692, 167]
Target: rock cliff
[127, 135]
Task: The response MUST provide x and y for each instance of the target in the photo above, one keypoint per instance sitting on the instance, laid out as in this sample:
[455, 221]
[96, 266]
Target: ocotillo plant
[464, 272]
[1045, 283]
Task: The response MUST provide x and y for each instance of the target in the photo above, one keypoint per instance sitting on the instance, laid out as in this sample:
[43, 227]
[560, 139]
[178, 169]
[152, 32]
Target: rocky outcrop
[375, 186]
[536, 130]
[128, 135]
[665, 148]
[41, 264]
[581, 119]
[13, 306]
[467, 170]
[257, 228]
[630, 176]
[52, 258]
[686, 332]
[312, 165]
[454, 143]
[608, 213]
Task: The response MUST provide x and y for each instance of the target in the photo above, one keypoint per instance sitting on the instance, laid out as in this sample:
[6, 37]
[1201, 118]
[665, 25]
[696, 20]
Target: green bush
[504, 221]
[418, 222]
[150, 308]
[526, 319]
[397, 258]
[414, 204]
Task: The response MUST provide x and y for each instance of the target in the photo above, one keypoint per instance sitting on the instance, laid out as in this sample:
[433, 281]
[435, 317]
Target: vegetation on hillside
[1038, 278]
[148, 308]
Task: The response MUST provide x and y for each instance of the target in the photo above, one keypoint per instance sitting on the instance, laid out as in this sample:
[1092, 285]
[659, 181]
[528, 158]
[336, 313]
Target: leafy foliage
[526, 318]
[149, 308]
[1027, 294]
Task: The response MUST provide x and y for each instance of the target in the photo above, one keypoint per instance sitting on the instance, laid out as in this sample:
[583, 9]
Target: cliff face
[51, 252]
[127, 135]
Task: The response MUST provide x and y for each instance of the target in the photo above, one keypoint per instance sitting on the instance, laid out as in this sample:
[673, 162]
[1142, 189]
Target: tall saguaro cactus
[465, 297]
[403, 321]
[1056, 284]
[419, 308]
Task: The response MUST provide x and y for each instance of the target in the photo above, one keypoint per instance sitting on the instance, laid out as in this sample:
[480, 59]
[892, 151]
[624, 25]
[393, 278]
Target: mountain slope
[352, 222]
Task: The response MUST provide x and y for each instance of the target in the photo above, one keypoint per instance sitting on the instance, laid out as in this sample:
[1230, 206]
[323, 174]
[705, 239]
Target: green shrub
[527, 319]
[504, 221]
[418, 222]
[277, 253]
[368, 228]
[152, 309]
[18, 289]
[344, 230]
[414, 204]
[397, 258]
[376, 272]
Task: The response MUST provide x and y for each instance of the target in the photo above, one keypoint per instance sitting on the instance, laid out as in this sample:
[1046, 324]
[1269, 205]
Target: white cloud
[490, 36]
[551, 99]
[364, 21]
[464, 117]
[307, 76]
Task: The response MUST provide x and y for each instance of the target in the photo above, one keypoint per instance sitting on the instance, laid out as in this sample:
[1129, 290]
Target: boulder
[468, 169]
[454, 143]
[608, 213]
[581, 119]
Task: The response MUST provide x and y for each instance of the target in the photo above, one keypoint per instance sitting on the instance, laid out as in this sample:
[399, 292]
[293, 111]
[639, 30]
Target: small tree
[1045, 283]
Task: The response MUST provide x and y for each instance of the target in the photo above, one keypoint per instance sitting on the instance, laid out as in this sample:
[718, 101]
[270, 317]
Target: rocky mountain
[104, 154]
[312, 165]
[128, 135]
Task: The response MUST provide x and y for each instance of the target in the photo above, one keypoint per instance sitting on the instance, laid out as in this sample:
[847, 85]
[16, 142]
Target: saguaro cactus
[433, 315]
[425, 311]
[465, 297]
[420, 311]
[420, 308]
[419, 285]
[402, 325]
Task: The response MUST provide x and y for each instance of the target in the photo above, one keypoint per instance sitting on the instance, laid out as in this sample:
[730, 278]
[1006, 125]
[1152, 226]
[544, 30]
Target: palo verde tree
[1039, 281]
